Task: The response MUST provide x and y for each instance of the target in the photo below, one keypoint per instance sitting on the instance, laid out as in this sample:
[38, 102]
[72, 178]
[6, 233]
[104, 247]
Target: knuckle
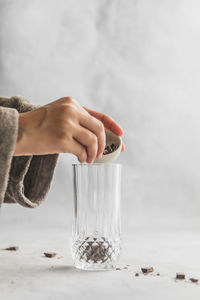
[68, 99]
[68, 110]
[68, 123]
[100, 126]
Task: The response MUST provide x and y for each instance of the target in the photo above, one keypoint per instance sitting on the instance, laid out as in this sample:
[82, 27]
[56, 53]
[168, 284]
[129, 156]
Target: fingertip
[90, 161]
[99, 156]
[117, 130]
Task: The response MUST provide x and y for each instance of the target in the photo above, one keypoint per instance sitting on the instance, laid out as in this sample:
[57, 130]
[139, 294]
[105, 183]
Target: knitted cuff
[8, 138]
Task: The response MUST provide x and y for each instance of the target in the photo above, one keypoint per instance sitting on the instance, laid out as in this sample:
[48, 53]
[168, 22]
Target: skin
[63, 126]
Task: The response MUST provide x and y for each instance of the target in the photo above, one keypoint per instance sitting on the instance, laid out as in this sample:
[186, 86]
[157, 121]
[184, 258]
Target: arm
[25, 179]
[62, 126]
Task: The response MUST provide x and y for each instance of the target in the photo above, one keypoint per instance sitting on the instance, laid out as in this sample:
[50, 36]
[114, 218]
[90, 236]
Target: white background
[138, 61]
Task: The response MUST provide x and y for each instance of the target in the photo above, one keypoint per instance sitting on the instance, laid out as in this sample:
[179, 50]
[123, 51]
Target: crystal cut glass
[96, 231]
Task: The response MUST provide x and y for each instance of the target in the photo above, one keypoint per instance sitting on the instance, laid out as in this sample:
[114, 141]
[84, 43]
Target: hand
[108, 123]
[62, 126]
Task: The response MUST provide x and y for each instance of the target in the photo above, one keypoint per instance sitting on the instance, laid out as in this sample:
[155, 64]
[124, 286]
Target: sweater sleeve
[8, 137]
[28, 177]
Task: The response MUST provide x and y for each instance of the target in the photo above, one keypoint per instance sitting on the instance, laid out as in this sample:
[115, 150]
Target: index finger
[107, 121]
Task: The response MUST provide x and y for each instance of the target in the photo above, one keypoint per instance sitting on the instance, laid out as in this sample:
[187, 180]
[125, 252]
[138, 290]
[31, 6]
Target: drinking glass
[96, 230]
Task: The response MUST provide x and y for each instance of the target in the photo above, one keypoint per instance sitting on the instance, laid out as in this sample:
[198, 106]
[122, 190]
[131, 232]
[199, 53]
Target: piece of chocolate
[50, 254]
[147, 270]
[109, 149]
[136, 274]
[12, 248]
[194, 280]
[118, 269]
[158, 274]
[180, 276]
[95, 250]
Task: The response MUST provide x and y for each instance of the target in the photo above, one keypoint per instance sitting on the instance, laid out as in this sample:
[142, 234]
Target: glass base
[93, 267]
[95, 253]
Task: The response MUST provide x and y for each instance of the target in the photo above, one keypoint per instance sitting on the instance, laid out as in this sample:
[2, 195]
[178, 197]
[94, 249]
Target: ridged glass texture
[96, 232]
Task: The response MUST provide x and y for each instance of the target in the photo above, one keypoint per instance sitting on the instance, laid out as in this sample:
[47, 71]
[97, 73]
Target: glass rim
[96, 164]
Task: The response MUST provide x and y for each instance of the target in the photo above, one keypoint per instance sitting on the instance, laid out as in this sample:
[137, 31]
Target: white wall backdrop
[138, 61]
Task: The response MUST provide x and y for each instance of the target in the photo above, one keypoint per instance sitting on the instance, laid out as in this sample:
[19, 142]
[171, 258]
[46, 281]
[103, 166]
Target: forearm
[24, 179]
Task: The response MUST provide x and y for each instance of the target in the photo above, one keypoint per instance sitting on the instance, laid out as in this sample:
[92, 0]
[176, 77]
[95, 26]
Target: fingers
[78, 150]
[123, 148]
[96, 127]
[108, 122]
[89, 140]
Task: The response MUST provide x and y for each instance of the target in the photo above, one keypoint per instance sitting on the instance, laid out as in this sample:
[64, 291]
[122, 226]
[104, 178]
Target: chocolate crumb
[109, 149]
[147, 270]
[194, 280]
[13, 248]
[136, 274]
[118, 269]
[50, 254]
[125, 267]
[180, 276]
[158, 274]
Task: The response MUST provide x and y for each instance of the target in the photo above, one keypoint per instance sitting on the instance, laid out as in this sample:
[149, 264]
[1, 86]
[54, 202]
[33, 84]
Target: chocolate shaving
[12, 248]
[136, 274]
[50, 254]
[180, 276]
[147, 270]
[109, 149]
[194, 280]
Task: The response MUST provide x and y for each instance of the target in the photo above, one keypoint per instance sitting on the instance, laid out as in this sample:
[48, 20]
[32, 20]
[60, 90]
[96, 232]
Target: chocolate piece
[136, 274]
[180, 276]
[13, 248]
[50, 254]
[109, 149]
[95, 250]
[118, 269]
[125, 267]
[194, 280]
[147, 270]
[158, 274]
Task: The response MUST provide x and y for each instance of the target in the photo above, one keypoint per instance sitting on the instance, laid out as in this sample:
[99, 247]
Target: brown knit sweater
[23, 179]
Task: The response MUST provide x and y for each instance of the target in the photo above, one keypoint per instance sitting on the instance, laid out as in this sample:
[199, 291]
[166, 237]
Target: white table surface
[27, 274]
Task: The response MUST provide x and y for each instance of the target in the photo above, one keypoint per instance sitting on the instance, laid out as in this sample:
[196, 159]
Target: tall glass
[96, 232]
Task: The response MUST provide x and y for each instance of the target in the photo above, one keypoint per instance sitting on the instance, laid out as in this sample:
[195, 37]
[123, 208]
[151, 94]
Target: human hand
[62, 126]
[108, 122]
